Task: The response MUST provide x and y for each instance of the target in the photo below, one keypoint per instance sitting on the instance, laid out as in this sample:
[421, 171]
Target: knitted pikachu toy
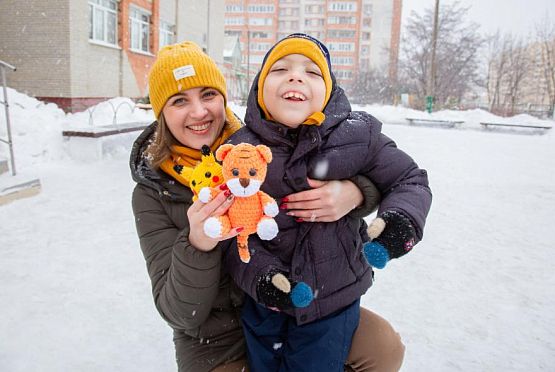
[244, 169]
[207, 173]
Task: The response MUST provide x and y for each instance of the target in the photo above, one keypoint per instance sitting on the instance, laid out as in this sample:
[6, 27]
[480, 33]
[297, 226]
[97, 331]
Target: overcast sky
[516, 16]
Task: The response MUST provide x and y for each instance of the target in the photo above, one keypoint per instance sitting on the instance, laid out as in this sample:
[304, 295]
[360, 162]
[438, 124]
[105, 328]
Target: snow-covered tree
[457, 53]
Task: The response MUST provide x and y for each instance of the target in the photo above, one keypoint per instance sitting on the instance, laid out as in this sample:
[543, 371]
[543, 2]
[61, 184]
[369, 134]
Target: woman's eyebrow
[178, 95]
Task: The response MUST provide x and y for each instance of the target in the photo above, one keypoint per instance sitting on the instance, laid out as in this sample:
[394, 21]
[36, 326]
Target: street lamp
[432, 72]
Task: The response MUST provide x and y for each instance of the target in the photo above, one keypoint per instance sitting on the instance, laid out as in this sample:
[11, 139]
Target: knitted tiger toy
[207, 173]
[244, 169]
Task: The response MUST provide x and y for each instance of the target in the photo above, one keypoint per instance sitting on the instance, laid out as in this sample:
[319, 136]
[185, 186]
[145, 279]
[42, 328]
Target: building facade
[522, 80]
[79, 52]
[360, 34]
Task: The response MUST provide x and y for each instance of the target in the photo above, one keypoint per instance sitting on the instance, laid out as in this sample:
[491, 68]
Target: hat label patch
[183, 72]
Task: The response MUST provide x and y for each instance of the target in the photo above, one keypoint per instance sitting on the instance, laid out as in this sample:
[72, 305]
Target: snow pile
[37, 126]
[36, 129]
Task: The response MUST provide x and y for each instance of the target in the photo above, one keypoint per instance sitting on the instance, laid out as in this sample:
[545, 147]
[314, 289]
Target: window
[345, 61]
[235, 8]
[293, 25]
[342, 7]
[341, 20]
[260, 21]
[340, 34]
[343, 74]
[261, 8]
[367, 22]
[234, 21]
[314, 22]
[314, 9]
[233, 33]
[103, 21]
[167, 33]
[260, 35]
[341, 47]
[366, 36]
[139, 25]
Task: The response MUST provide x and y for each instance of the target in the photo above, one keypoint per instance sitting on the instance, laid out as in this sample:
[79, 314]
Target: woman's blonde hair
[160, 148]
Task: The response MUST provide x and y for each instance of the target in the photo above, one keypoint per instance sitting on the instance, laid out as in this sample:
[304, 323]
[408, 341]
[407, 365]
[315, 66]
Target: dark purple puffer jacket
[327, 256]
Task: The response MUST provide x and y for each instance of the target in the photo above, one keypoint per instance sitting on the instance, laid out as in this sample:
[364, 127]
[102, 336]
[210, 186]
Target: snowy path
[476, 295]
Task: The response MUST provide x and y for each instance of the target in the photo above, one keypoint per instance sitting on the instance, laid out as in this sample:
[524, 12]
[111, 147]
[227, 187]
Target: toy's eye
[252, 172]
[207, 174]
[235, 172]
[194, 183]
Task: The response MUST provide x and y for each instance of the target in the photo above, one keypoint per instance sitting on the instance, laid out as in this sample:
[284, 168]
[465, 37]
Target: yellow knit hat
[179, 67]
[308, 47]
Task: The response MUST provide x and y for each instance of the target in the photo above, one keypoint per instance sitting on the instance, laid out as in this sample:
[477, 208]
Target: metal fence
[9, 142]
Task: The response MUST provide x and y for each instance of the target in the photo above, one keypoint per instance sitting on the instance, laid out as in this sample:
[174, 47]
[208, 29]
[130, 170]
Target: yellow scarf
[183, 159]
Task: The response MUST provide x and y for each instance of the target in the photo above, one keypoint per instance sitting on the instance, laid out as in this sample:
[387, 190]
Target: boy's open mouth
[294, 96]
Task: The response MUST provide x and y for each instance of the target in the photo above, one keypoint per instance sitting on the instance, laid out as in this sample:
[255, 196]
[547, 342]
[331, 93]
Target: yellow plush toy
[207, 173]
[244, 169]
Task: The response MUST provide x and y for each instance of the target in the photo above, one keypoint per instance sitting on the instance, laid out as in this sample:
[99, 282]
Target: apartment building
[79, 52]
[360, 34]
[526, 82]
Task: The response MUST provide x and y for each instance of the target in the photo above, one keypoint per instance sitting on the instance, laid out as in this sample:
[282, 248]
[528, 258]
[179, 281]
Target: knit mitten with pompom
[392, 234]
[276, 291]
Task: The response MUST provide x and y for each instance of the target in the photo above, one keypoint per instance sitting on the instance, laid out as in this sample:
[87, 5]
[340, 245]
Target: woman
[190, 289]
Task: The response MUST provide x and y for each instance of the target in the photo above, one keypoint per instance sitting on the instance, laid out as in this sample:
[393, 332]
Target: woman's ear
[222, 151]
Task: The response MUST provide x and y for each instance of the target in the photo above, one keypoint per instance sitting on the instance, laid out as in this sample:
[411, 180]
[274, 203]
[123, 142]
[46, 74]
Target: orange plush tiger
[244, 169]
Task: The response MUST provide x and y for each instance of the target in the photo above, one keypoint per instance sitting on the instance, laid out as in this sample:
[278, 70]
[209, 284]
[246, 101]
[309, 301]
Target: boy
[296, 108]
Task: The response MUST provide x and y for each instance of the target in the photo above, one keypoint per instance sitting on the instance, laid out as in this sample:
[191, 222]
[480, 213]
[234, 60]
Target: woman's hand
[199, 212]
[328, 201]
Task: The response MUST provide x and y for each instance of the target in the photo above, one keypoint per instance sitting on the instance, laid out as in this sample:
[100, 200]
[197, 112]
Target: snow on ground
[477, 294]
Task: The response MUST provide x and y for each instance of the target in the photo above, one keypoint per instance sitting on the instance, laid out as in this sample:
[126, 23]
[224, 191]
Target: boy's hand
[274, 290]
[392, 236]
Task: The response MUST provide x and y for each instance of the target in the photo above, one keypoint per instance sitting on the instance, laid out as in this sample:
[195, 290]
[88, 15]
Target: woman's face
[196, 116]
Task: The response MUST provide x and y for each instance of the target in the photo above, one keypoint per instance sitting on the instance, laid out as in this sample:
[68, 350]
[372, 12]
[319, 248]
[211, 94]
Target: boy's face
[294, 89]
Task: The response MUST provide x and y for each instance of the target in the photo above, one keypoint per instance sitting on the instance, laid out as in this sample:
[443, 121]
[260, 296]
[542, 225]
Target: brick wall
[34, 38]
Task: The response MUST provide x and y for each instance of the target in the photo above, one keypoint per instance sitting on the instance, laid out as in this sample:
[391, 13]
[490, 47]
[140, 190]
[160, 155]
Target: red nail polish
[239, 229]
[283, 206]
[299, 220]
[284, 200]
[227, 193]
[223, 186]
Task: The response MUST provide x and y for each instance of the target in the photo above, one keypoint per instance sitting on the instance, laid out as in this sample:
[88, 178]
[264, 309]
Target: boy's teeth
[294, 95]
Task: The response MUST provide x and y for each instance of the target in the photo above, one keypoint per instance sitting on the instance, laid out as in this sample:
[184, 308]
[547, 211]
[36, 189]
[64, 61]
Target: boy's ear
[222, 151]
[265, 152]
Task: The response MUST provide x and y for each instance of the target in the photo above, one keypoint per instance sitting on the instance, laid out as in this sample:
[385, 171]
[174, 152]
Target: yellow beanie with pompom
[179, 67]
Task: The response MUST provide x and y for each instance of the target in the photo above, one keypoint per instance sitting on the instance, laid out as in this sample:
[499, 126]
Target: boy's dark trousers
[276, 343]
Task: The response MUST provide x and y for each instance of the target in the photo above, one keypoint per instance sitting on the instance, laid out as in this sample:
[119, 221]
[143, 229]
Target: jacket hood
[336, 111]
[143, 174]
